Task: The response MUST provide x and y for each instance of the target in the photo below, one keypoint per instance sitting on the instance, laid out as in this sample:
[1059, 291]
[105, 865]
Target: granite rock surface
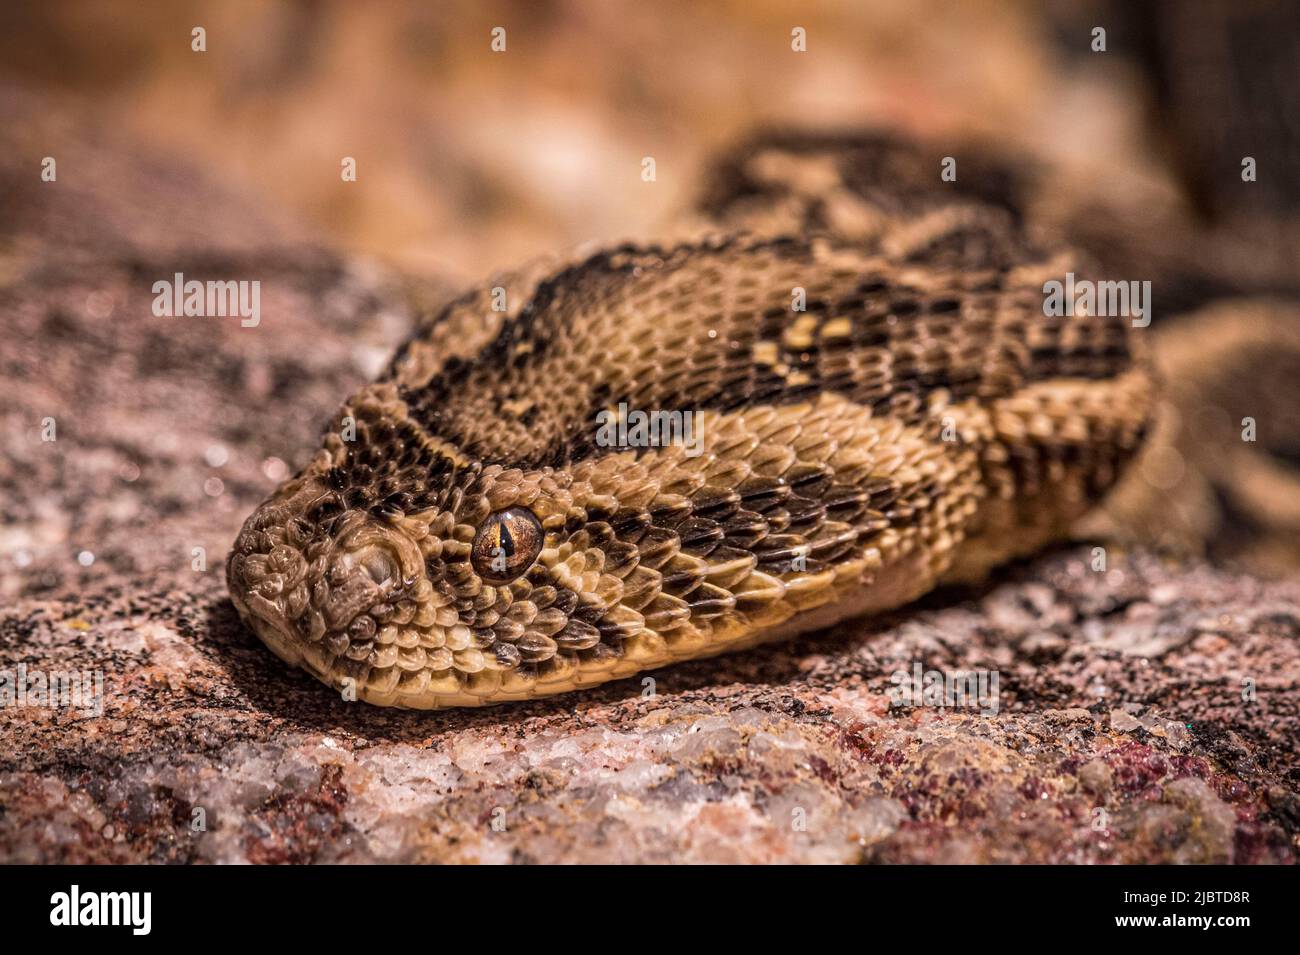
[1118, 733]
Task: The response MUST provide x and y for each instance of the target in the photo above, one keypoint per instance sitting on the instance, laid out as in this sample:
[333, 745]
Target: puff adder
[463, 538]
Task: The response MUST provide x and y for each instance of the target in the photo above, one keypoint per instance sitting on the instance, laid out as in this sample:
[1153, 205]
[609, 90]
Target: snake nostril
[298, 532]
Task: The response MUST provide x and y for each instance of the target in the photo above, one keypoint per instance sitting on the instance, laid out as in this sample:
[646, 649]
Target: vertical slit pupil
[506, 545]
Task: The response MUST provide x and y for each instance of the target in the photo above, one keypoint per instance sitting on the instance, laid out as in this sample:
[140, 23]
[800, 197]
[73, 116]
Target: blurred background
[227, 162]
[469, 159]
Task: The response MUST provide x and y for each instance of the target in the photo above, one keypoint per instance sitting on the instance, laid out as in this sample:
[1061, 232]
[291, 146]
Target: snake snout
[336, 589]
[269, 574]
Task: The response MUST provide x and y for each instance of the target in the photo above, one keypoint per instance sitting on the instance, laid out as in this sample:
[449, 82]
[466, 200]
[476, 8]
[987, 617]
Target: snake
[878, 402]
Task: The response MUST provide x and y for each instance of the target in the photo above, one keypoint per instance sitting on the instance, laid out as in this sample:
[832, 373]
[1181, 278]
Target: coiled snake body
[881, 402]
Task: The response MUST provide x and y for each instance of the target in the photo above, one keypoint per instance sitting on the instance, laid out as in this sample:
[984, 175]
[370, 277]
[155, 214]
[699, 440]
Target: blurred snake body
[881, 406]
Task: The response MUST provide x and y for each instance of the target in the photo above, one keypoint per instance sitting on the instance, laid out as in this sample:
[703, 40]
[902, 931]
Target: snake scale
[882, 403]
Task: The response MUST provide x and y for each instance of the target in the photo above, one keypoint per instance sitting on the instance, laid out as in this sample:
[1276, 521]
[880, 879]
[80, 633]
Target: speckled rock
[1147, 713]
[209, 749]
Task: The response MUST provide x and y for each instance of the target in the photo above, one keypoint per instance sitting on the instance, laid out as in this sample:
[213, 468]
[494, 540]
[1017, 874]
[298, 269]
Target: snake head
[330, 586]
[388, 568]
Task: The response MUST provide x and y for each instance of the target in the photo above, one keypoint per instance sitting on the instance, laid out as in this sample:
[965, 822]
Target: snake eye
[506, 545]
